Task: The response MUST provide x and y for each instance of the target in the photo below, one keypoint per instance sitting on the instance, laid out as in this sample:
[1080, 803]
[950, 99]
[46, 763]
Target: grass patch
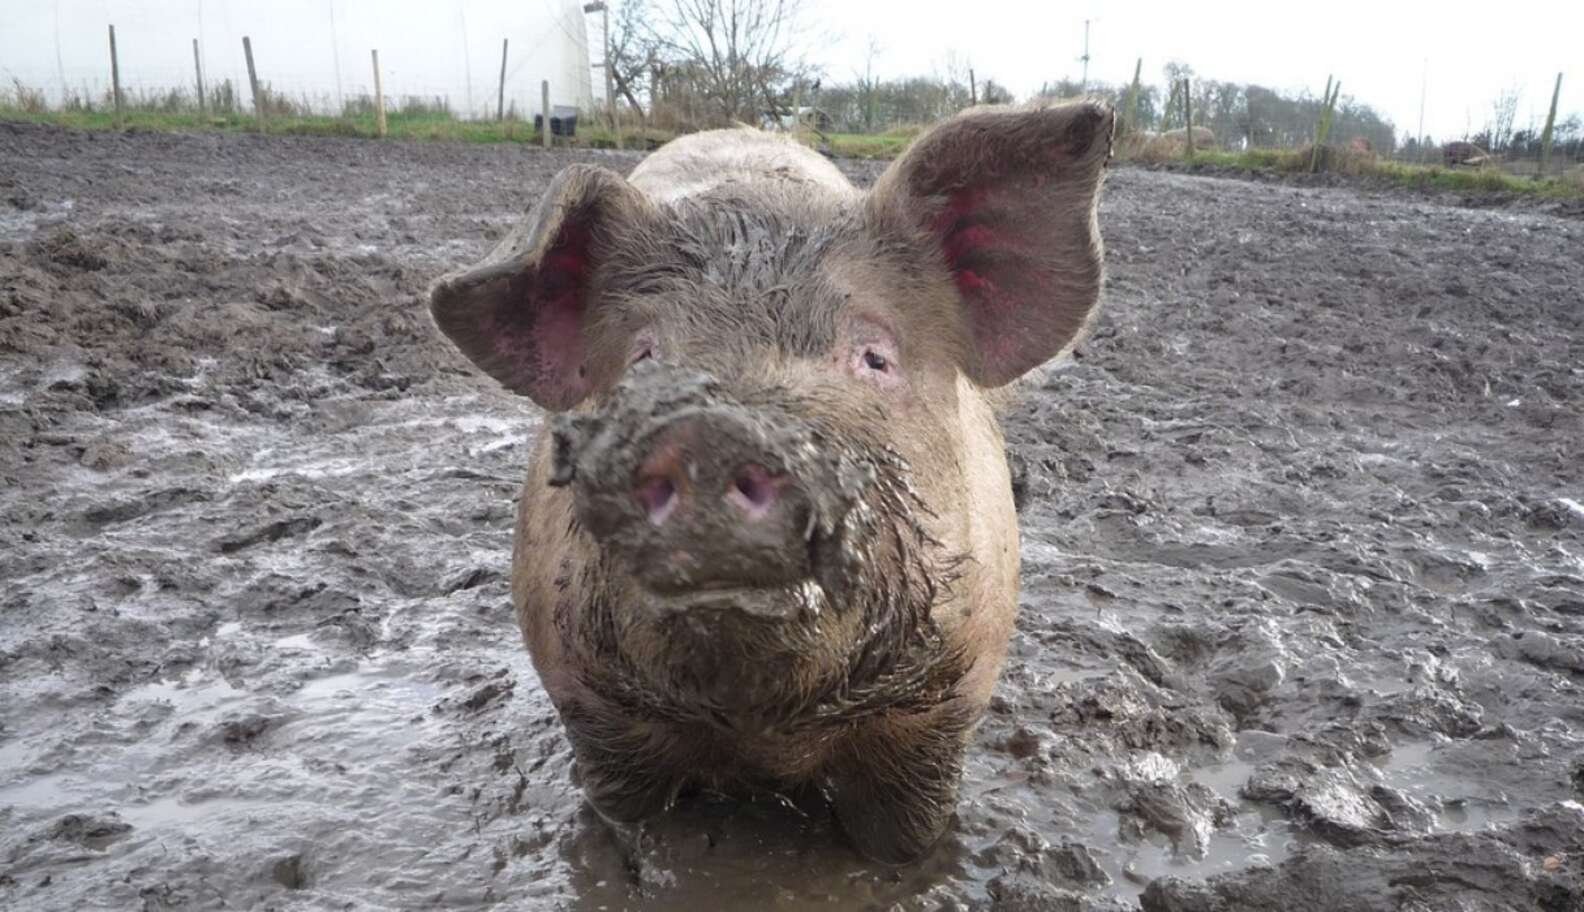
[432, 119]
[1255, 159]
[1403, 174]
[872, 145]
[416, 119]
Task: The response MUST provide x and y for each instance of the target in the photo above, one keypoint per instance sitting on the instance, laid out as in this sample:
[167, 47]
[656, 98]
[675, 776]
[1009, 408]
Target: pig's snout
[714, 508]
[681, 473]
[705, 500]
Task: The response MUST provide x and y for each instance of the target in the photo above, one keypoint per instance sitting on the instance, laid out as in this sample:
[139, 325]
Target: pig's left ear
[1005, 197]
[526, 313]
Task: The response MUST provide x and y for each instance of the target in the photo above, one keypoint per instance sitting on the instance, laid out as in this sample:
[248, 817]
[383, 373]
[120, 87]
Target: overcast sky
[1378, 49]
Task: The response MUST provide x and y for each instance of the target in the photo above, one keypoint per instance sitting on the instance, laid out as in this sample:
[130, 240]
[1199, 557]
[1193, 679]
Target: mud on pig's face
[772, 395]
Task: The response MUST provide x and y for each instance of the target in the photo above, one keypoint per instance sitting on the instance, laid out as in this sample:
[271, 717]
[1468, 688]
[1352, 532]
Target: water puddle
[298, 641]
[1226, 778]
[12, 754]
[43, 793]
[1263, 839]
[1257, 834]
[358, 716]
[179, 811]
[370, 689]
[1054, 677]
[1417, 770]
[194, 689]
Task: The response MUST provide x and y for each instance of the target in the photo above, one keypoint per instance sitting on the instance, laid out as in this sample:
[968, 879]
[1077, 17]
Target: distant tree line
[1240, 115]
[689, 64]
[866, 106]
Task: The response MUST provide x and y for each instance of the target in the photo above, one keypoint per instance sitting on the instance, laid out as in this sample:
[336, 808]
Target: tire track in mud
[1303, 562]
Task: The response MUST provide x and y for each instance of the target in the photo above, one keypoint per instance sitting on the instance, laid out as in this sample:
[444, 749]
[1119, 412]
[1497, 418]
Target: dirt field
[1303, 610]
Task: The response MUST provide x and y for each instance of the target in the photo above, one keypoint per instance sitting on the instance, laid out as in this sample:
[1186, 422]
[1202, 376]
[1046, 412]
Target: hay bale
[1204, 137]
[1151, 146]
[1465, 154]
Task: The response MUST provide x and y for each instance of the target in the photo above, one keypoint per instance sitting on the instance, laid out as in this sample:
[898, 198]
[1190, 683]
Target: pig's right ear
[523, 313]
[1004, 200]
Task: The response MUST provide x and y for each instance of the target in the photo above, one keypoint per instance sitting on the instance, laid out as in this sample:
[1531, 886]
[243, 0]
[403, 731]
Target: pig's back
[697, 163]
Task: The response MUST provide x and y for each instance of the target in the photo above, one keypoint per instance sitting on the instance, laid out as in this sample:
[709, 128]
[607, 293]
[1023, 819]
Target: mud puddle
[1303, 602]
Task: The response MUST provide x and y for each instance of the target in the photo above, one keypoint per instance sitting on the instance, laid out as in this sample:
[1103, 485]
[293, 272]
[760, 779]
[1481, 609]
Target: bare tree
[994, 93]
[632, 51]
[866, 86]
[1503, 112]
[1176, 71]
[738, 54]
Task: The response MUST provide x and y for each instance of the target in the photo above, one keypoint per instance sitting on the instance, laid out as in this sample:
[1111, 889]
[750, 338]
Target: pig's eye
[872, 355]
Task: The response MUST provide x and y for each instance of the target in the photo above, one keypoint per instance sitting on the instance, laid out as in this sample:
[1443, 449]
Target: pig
[767, 540]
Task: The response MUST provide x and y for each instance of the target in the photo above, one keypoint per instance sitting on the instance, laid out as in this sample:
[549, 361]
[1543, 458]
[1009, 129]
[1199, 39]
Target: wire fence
[312, 53]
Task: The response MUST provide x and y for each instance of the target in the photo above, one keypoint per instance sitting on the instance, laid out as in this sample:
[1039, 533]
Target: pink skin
[873, 356]
[754, 491]
[659, 498]
[660, 481]
[644, 345]
[967, 228]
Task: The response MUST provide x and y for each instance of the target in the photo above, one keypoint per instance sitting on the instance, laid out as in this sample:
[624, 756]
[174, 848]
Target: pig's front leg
[894, 788]
[623, 770]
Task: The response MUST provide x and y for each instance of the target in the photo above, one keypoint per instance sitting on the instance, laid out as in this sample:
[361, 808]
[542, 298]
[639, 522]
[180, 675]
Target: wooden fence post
[115, 81]
[1130, 110]
[500, 100]
[379, 97]
[258, 101]
[1545, 136]
[544, 105]
[1323, 127]
[198, 70]
[1187, 97]
[1325, 98]
[610, 77]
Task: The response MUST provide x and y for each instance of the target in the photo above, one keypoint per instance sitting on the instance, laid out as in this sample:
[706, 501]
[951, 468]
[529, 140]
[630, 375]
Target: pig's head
[773, 402]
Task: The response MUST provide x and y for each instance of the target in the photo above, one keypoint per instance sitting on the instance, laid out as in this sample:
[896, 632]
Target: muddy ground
[1303, 610]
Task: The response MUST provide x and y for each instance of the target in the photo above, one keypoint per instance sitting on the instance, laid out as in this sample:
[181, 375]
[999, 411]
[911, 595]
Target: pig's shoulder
[700, 162]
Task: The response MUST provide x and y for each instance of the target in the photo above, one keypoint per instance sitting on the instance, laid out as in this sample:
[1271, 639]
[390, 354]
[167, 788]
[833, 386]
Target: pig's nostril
[658, 496]
[753, 490]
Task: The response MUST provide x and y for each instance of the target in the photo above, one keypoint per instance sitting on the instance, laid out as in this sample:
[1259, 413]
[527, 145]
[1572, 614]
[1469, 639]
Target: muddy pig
[767, 541]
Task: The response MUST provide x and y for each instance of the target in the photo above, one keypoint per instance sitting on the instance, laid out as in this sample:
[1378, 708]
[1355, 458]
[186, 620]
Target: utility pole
[467, 63]
[1084, 85]
[335, 58]
[1424, 82]
[258, 97]
[115, 79]
[500, 98]
[198, 71]
[603, 8]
